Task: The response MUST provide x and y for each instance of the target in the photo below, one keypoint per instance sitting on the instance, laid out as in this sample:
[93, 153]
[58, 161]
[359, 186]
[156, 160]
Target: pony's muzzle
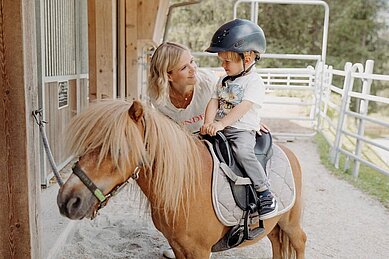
[76, 204]
[69, 206]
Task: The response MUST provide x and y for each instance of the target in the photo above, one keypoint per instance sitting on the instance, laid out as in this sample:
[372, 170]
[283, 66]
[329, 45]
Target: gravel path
[339, 220]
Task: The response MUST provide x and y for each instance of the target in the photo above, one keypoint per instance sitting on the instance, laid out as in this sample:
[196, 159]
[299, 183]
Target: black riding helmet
[239, 36]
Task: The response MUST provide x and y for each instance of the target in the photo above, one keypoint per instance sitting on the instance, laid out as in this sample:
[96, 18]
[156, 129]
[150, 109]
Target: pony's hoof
[168, 253]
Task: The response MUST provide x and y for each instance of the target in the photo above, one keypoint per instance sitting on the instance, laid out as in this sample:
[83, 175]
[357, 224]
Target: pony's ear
[136, 111]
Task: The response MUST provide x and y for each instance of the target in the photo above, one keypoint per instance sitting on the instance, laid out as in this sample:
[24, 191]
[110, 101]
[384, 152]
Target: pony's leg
[274, 237]
[297, 237]
[193, 253]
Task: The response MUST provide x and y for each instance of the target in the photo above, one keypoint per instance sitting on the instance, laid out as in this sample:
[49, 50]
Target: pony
[117, 140]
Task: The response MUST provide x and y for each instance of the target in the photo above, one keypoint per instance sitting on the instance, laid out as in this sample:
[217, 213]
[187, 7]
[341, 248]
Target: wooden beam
[122, 92]
[160, 21]
[152, 19]
[92, 50]
[102, 48]
[146, 20]
[132, 49]
[19, 168]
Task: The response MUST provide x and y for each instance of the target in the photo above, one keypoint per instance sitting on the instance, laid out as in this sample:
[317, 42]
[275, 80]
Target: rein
[103, 199]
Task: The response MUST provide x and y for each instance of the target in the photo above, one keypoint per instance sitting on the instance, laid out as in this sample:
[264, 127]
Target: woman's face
[231, 67]
[184, 73]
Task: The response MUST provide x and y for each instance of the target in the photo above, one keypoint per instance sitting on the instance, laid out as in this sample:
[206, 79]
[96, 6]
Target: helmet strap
[244, 63]
[232, 78]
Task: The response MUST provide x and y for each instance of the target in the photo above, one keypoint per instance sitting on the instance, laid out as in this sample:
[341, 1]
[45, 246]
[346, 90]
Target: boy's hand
[263, 128]
[212, 128]
[203, 129]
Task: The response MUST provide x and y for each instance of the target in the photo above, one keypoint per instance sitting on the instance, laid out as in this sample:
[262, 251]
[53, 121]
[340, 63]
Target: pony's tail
[287, 250]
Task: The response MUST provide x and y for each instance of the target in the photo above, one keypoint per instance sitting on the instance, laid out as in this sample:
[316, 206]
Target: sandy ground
[340, 222]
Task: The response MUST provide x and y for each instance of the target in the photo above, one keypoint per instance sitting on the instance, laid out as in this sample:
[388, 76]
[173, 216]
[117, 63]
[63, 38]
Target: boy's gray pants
[242, 143]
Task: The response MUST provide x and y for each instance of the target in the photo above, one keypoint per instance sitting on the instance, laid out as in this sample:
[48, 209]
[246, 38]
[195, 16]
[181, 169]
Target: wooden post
[19, 154]
[102, 49]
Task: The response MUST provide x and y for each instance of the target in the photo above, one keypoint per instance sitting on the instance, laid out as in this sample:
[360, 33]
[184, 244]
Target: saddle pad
[281, 182]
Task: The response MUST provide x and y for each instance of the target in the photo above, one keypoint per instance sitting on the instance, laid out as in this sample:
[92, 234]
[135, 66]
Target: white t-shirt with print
[249, 87]
[192, 117]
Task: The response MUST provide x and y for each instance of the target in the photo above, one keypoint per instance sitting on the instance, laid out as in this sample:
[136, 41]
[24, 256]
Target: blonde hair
[235, 56]
[165, 58]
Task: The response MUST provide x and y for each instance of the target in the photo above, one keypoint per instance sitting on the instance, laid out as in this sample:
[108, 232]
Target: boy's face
[231, 66]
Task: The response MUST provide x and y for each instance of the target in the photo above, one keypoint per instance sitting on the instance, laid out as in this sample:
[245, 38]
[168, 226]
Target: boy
[235, 106]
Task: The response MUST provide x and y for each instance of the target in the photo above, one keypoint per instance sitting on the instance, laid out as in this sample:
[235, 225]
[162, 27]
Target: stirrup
[251, 234]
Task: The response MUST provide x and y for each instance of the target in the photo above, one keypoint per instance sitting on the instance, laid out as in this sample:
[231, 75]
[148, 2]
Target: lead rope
[38, 119]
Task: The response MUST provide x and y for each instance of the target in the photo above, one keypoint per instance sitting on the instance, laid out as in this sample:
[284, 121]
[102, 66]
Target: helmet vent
[239, 43]
[222, 36]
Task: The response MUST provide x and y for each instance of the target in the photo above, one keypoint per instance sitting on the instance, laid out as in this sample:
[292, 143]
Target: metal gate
[63, 71]
[297, 116]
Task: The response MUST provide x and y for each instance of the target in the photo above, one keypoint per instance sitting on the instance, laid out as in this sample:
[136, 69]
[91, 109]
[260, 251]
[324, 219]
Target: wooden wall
[58, 118]
[139, 25]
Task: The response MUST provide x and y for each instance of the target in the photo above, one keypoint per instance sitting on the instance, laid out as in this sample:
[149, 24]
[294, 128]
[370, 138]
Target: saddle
[243, 192]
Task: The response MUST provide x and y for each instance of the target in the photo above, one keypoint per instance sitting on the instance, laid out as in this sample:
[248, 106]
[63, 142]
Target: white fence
[344, 125]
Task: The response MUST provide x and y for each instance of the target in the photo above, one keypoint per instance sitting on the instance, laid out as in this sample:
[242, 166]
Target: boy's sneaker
[267, 204]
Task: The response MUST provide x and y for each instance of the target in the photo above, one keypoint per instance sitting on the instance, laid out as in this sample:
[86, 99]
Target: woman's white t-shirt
[192, 117]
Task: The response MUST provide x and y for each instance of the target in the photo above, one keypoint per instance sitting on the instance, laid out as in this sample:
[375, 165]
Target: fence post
[319, 74]
[363, 109]
[342, 114]
[326, 95]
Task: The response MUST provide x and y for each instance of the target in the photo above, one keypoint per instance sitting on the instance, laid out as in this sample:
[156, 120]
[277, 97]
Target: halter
[103, 199]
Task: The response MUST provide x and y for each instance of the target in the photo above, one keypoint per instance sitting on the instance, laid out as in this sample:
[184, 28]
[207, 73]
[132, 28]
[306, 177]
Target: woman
[177, 88]
[180, 90]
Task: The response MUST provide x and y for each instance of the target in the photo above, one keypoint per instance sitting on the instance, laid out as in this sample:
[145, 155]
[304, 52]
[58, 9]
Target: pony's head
[116, 140]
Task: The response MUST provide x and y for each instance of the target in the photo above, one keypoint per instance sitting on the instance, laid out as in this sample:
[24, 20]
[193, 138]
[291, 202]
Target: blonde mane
[168, 152]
